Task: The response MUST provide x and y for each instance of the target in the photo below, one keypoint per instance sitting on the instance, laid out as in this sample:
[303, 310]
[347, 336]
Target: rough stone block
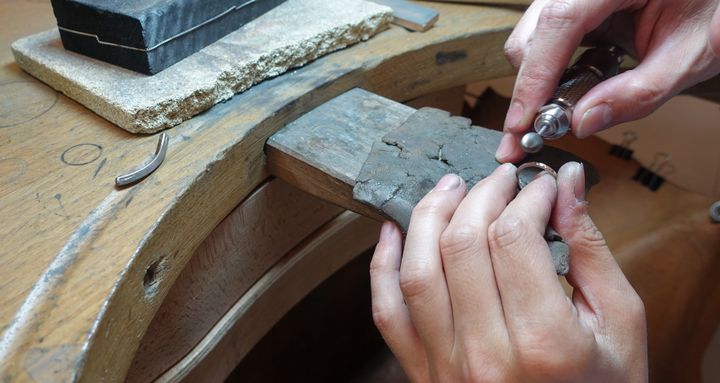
[290, 35]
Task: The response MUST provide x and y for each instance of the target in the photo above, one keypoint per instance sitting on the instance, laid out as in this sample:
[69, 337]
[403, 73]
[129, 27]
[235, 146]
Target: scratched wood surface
[323, 152]
[245, 245]
[294, 276]
[77, 255]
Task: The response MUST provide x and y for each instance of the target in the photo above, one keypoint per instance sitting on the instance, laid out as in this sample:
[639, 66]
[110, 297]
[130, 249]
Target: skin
[472, 296]
[675, 41]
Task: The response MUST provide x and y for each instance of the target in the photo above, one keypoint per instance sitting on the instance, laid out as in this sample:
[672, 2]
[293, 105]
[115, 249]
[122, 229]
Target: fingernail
[514, 115]
[579, 181]
[448, 182]
[504, 150]
[386, 231]
[505, 168]
[594, 120]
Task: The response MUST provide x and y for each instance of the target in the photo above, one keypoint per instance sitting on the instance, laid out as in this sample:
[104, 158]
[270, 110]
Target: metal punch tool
[553, 120]
[148, 168]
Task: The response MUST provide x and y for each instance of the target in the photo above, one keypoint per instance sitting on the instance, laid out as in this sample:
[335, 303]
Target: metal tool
[715, 212]
[148, 168]
[553, 120]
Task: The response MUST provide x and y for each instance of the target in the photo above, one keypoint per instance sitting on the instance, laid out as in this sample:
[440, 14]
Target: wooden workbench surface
[79, 275]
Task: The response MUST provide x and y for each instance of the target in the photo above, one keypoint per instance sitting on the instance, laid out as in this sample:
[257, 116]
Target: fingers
[594, 273]
[633, 94]
[477, 313]
[389, 311]
[519, 39]
[509, 150]
[715, 32]
[560, 28]
[422, 281]
[524, 270]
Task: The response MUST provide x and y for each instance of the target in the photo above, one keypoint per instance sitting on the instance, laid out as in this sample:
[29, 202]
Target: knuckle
[429, 206]
[507, 231]
[484, 370]
[415, 281]
[589, 236]
[636, 309]
[377, 264]
[458, 240]
[551, 351]
[647, 95]
[383, 318]
[558, 13]
[513, 51]
[533, 79]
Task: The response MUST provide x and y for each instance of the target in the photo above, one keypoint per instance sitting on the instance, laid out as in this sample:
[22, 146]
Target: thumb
[599, 283]
[628, 96]
[714, 38]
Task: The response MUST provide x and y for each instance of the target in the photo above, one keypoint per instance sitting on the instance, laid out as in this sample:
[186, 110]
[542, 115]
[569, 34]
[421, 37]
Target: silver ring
[528, 171]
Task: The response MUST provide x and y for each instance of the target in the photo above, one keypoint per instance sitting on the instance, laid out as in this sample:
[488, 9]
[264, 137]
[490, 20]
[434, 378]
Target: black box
[148, 36]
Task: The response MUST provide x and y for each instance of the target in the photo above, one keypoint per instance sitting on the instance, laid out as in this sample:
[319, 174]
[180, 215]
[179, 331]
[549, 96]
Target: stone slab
[290, 35]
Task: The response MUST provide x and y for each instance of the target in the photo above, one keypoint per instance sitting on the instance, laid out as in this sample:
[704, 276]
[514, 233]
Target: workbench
[178, 276]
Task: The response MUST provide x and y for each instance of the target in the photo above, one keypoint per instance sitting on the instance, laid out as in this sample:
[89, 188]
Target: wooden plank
[323, 151]
[244, 246]
[293, 277]
[76, 250]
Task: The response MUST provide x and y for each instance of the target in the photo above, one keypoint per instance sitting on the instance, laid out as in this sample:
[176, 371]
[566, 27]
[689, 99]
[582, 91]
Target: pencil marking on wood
[102, 163]
[81, 154]
[11, 169]
[38, 99]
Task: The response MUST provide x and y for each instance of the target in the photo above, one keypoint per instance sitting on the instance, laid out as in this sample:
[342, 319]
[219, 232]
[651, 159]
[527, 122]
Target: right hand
[676, 41]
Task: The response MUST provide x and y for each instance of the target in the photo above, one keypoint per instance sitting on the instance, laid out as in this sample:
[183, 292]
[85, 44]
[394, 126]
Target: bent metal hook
[148, 168]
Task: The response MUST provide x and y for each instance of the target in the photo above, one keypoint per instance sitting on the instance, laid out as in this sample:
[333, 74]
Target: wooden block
[411, 15]
[333, 142]
[324, 153]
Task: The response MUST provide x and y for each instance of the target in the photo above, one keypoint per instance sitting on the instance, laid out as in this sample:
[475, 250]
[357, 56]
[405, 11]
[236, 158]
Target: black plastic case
[148, 36]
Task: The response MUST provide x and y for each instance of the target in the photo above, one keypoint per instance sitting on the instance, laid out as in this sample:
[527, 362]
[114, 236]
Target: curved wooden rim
[170, 213]
[271, 297]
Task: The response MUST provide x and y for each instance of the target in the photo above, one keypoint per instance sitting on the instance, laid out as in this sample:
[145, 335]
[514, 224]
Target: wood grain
[323, 151]
[295, 275]
[243, 247]
[76, 250]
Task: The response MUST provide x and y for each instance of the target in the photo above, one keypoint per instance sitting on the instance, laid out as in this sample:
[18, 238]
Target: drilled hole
[152, 276]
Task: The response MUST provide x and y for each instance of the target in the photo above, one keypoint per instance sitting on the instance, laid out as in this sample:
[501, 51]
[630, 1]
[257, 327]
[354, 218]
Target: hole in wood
[152, 276]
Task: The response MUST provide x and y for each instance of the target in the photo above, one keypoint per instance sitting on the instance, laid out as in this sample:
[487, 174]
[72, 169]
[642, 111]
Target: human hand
[677, 43]
[474, 296]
